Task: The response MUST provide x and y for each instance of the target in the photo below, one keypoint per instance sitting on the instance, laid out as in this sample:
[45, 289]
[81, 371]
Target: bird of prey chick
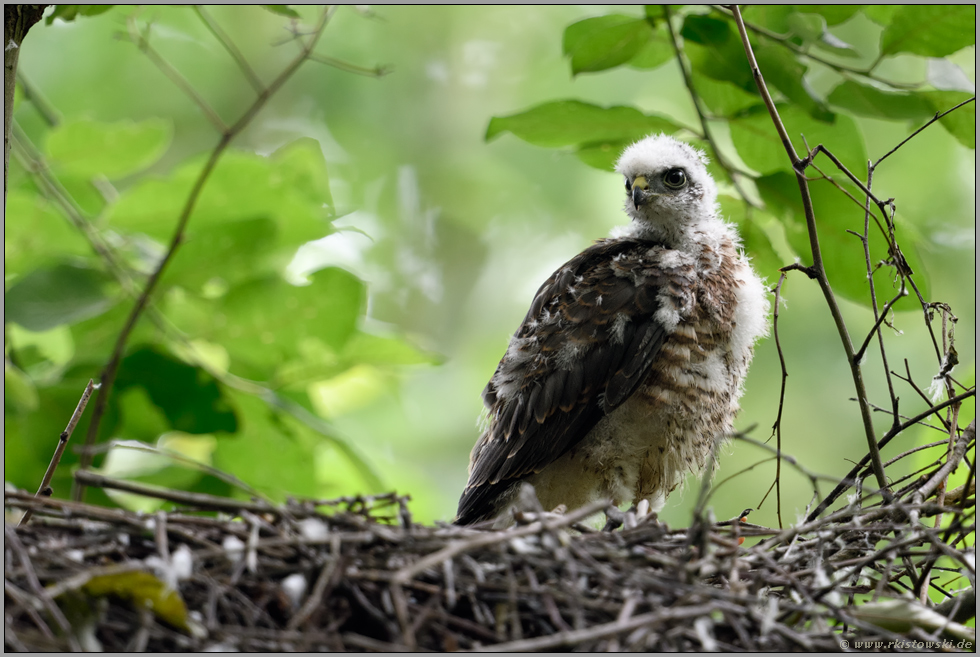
[631, 359]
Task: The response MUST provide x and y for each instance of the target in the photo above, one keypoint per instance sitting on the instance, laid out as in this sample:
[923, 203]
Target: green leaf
[715, 50]
[654, 13]
[655, 52]
[930, 30]
[271, 452]
[23, 464]
[808, 27]
[145, 591]
[301, 163]
[281, 10]
[880, 14]
[386, 350]
[755, 240]
[62, 294]
[34, 232]
[227, 253]
[724, 98]
[833, 14]
[962, 123]
[831, 43]
[781, 194]
[68, 13]
[572, 122]
[79, 186]
[604, 42]
[140, 419]
[19, 393]
[94, 337]
[774, 17]
[842, 252]
[811, 29]
[263, 322]
[313, 361]
[759, 145]
[705, 30]
[602, 155]
[55, 346]
[188, 396]
[288, 188]
[348, 391]
[784, 71]
[89, 148]
[865, 100]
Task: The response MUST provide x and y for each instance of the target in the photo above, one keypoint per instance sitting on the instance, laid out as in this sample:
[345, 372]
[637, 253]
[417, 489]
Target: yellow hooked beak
[638, 192]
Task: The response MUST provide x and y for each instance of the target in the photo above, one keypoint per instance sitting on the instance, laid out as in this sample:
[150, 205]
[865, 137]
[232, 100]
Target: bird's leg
[528, 508]
[627, 519]
[616, 518]
[648, 512]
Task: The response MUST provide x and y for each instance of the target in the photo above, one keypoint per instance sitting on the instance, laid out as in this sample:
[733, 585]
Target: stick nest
[359, 574]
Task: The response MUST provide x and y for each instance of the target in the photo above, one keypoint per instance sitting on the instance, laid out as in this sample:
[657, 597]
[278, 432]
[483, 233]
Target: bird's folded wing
[588, 341]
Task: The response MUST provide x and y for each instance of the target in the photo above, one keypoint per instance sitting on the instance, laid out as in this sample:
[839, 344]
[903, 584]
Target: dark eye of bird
[675, 178]
[627, 184]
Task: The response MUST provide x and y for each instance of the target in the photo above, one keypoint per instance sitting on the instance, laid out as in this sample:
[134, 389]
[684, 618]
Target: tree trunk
[17, 20]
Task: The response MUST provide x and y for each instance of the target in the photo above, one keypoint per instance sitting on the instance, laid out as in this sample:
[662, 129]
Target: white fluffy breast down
[751, 312]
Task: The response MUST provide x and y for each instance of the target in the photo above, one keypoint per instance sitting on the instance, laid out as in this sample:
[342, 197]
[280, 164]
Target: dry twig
[378, 581]
[45, 487]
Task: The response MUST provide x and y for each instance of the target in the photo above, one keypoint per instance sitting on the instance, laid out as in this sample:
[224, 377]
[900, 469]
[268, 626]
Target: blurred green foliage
[357, 262]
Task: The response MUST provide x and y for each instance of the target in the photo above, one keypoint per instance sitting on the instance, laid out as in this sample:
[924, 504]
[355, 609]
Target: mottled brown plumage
[630, 360]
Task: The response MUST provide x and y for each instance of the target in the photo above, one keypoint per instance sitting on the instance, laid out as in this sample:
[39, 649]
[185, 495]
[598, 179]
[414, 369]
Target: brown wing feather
[586, 344]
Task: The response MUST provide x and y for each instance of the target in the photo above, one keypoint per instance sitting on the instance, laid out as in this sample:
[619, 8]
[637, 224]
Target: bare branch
[764, 91]
[881, 318]
[569, 638]
[230, 46]
[45, 488]
[199, 500]
[50, 115]
[482, 539]
[928, 123]
[818, 267]
[847, 193]
[849, 478]
[143, 43]
[777, 425]
[376, 72]
[909, 380]
[954, 458]
[108, 375]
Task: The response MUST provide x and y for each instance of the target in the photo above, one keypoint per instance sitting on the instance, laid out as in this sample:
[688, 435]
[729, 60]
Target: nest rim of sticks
[360, 574]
